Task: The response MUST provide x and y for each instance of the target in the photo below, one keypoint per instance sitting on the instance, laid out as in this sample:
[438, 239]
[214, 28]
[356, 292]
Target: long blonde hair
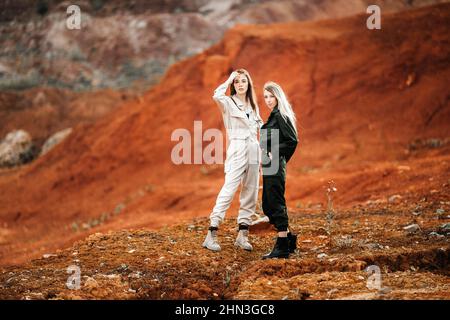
[283, 104]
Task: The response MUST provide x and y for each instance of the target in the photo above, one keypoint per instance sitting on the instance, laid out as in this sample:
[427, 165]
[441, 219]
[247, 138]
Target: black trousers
[273, 201]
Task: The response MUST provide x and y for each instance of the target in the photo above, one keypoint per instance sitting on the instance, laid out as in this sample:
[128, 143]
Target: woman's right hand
[233, 75]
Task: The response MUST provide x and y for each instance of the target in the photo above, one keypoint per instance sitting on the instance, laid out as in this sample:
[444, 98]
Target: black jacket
[288, 139]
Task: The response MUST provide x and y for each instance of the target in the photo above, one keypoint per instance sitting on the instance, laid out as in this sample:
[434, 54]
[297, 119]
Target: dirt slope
[170, 263]
[368, 102]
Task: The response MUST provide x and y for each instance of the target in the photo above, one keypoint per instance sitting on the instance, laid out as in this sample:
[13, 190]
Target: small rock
[440, 213]
[49, 255]
[135, 275]
[322, 255]
[332, 291]
[55, 139]
[416, 213]
[445, 227]
[332, 259]
[131, 251]
[122, 267]
[436, 235]
[307, 241]
[90, 284]
[35, 296]
[16, 148]
[412, 228]
[373, 246]
[385, 290]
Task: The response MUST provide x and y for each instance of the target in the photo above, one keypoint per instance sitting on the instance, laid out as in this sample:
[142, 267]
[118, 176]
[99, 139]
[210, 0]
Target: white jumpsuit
[243, 157]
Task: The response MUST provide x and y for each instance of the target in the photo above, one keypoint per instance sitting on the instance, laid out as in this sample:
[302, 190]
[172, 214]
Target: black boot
[280, 250]
[292, 242]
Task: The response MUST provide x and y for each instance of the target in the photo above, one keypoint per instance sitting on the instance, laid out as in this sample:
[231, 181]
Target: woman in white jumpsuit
[242, 122]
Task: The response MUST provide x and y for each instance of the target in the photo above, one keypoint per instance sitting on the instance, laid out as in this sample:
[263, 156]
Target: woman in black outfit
[278, 143]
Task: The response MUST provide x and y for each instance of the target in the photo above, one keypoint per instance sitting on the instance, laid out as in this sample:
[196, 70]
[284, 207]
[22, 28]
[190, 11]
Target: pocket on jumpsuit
[254, 153]
[235, 153]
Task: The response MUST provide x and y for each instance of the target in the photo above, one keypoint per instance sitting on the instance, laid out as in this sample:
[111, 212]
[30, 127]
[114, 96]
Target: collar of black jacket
[275, 110]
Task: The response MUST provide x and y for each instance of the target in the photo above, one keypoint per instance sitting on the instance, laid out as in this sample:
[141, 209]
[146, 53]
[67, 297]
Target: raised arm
[219, 94]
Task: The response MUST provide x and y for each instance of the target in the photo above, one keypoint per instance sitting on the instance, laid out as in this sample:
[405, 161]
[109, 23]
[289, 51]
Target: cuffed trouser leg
[249, 194]
[232, 180]
[274, 203]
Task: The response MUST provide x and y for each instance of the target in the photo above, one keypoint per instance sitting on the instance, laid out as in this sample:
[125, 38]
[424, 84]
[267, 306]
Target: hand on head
[233, 75]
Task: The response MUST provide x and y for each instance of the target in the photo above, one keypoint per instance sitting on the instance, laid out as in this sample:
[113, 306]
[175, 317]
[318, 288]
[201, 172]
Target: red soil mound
[368, 103]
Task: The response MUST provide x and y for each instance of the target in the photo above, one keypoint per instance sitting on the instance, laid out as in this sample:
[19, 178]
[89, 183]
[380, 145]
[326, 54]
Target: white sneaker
[211, 241]
[242, 240]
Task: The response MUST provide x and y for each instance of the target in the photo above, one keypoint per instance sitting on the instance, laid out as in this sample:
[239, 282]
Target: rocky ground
[331, 261]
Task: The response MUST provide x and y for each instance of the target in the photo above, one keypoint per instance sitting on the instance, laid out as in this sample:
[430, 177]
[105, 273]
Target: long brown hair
[250, 94]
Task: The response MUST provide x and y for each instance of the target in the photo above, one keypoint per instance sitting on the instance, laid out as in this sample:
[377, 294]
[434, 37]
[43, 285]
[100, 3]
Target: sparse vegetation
[330, 215]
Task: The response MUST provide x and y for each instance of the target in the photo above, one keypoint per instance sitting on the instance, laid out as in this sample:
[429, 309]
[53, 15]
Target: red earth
[373, 109]
[44, 111]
